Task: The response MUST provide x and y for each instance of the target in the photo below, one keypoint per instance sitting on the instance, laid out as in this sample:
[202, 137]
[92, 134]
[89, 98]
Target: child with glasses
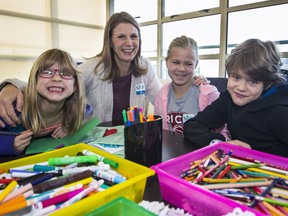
[255, 105]
[54, 103]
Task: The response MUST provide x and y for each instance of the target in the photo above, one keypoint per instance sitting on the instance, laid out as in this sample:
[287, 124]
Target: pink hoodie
[208, 94]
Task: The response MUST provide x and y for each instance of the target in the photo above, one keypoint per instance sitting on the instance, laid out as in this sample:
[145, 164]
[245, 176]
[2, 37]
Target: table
[173, 145]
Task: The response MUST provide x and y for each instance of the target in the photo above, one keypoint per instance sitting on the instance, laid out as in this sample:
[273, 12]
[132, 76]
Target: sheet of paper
[113, 143]
[45, 144]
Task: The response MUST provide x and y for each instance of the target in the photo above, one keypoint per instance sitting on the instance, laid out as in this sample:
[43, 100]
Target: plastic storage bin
[121, 207]
[133, 189]
[195, 199]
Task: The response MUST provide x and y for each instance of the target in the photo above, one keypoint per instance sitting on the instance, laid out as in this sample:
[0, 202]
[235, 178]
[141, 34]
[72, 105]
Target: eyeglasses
[50, 73]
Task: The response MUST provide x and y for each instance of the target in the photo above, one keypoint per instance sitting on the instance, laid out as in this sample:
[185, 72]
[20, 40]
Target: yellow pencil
[7, 190]
[268, 172]
[259, 170]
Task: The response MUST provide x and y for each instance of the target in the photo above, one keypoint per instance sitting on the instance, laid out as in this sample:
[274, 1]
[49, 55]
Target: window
[30, 27]
[217, 26]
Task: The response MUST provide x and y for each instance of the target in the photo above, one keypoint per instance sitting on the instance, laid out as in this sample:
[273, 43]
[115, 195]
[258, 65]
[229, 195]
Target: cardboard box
[192, 197]
[133, 189]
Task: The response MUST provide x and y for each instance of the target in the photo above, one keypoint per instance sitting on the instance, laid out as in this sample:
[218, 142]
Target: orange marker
[13, 205]
[150, 117]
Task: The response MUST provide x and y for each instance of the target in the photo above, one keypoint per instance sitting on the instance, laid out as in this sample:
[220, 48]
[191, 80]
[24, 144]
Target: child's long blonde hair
[74, 107]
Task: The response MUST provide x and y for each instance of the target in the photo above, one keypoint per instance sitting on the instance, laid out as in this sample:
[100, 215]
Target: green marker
[101, 158]
[70, 160]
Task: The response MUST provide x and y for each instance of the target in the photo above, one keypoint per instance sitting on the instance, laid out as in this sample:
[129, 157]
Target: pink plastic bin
[195, 199]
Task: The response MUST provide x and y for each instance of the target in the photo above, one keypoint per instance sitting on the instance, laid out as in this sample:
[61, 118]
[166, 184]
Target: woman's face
[243, 89]
[125, 42]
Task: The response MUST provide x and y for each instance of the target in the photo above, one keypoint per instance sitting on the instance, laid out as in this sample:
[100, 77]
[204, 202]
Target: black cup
[143, 142]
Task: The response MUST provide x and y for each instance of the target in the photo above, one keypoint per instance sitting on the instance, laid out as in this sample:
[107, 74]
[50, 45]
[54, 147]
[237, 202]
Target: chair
[219, 82]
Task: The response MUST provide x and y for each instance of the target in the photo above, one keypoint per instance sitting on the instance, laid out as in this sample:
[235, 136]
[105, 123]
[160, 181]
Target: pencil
[210, 180]
[236, 185]
[273, 209]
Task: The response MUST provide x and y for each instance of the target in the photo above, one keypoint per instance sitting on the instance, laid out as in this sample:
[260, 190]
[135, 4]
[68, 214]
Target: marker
[101, 158]
[7, 190]
[124, 116]
[59, 182]
[108, 176]
[82, 194]
[69, 160]
[81, 169]
[57, 199]
[17, 192]
[52, 193]
[22, 173]
[43, 168]
[30, 166]
[43, 178]
[60, 146]
[13, 205]
[28, 179]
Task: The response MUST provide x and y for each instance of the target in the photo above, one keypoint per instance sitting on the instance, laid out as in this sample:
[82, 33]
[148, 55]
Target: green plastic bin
[120, 206]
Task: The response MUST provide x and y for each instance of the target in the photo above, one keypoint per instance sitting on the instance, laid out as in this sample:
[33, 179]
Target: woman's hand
[199, 79]
[8, 95]
[23, 140]
[239, 143]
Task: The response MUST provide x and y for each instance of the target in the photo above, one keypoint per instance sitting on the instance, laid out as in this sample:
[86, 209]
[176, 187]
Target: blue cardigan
[8, 134]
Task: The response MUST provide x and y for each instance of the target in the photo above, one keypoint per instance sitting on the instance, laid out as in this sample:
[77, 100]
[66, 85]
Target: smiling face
[243, 89]
[56, 88]
[181, 65]
[125, 42]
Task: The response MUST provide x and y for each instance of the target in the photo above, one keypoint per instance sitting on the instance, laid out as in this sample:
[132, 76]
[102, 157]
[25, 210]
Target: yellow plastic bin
[121, 207]
[132, 189]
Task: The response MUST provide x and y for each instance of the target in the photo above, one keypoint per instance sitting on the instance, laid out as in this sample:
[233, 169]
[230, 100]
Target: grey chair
[219, 82]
